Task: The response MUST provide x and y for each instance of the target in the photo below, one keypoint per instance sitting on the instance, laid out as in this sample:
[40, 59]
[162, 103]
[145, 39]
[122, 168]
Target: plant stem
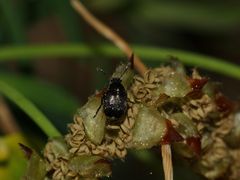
[167, 161]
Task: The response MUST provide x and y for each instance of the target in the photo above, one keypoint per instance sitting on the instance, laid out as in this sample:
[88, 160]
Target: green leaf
[106, 6]
[50, 98]
[68, 18]
[13, 21]
[146, 53]
[208, 16]
[29, 108]
[40, 92]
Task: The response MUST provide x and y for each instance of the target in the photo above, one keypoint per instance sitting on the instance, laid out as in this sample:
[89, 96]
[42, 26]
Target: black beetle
[114, 99]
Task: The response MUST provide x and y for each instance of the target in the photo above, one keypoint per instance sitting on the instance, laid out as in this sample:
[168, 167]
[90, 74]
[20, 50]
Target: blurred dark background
[206, 27]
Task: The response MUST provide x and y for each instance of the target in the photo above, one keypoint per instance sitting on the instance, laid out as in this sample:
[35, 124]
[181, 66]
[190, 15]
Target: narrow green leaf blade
[30, 109]
[145, 52]
[43, 94]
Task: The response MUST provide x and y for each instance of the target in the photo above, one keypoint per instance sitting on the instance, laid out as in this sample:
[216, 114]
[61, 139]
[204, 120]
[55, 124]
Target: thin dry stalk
[167, 161]
[109, 34]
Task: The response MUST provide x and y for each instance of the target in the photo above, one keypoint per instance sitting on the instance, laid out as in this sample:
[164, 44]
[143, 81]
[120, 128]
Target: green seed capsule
[149, 128]
[94, 126]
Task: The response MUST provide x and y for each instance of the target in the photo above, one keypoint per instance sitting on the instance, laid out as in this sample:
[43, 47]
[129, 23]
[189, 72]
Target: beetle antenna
[101, 70]
[125, 70]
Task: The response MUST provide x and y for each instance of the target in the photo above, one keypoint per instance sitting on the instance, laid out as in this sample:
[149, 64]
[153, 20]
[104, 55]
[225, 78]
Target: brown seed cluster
[217, 158]
[116, 146]
[111, 146]
[235, 168]
[143, 89]
[199, 109]
[213, 126]
[215, 162]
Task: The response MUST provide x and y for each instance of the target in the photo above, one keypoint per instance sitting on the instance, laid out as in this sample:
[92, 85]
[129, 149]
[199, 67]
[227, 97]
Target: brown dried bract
[199, 109]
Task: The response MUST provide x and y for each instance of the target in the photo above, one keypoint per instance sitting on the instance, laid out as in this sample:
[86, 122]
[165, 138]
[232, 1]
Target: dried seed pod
[149, 77]
[140, 92]
[138, 80]
[199, 109]
[125, 129]
[150, 86]
[73, 150]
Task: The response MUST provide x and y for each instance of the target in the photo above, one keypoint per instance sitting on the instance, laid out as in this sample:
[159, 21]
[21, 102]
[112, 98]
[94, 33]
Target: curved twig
[109, 34]
[167, 161]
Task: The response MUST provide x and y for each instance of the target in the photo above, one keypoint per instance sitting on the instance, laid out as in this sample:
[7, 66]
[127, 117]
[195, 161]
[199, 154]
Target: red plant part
[224, 105]
[197, 84]
[171, 135]
[195, 144]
